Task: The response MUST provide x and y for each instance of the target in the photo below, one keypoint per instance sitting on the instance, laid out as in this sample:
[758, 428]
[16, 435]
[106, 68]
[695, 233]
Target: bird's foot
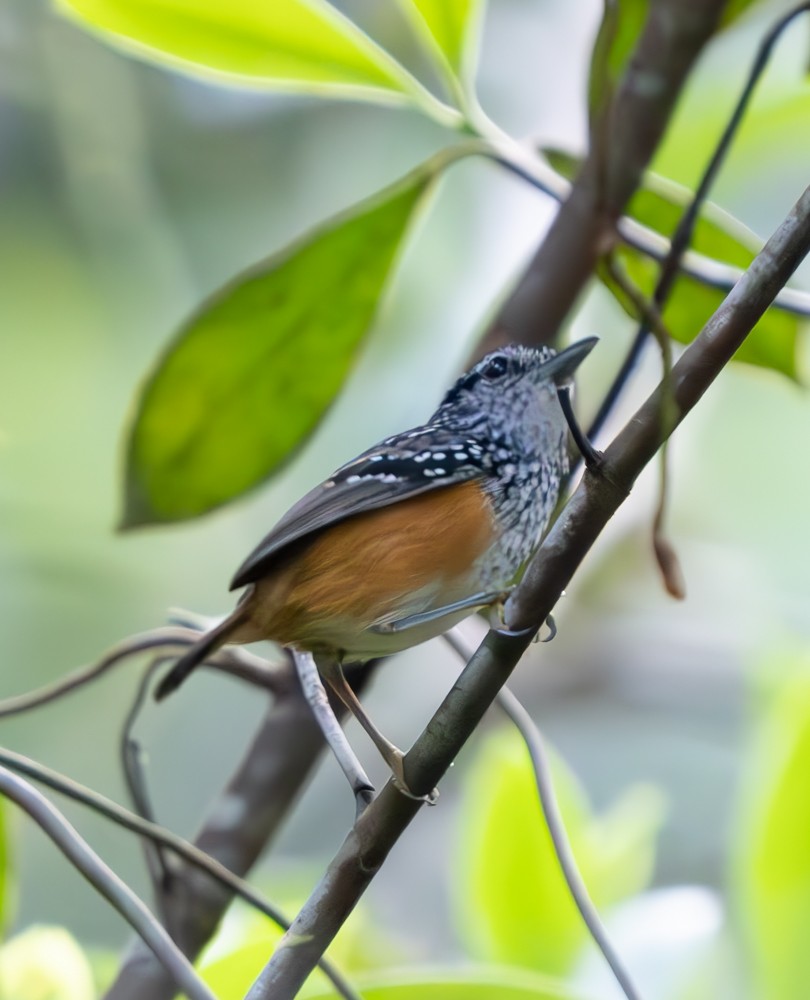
[396, 763]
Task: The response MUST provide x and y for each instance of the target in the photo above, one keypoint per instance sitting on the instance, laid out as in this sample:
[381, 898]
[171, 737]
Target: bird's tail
[199, 652]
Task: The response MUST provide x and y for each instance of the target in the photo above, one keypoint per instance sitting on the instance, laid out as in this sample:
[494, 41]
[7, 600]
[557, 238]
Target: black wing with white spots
[400, 467]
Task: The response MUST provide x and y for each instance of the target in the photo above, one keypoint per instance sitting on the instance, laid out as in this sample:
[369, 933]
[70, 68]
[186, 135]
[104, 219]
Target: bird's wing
[399, 468]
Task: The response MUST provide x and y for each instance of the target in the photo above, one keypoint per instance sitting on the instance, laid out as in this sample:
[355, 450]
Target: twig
[237, 662]
[594, 503]
[160, 835]
[136, 784]
[514, 710]
[104, 879]
[533, 739]
[651, 321]
[239, 825]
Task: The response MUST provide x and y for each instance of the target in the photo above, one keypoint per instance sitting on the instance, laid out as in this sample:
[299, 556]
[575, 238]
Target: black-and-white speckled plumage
[501, 423]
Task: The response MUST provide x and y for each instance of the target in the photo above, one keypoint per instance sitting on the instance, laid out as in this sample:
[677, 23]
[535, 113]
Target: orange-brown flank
[359, 570]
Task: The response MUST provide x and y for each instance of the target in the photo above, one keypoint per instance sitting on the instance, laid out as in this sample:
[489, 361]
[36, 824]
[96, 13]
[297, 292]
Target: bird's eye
[495, 368]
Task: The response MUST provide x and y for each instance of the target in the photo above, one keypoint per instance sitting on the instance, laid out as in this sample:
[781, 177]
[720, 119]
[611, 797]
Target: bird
[403, 542]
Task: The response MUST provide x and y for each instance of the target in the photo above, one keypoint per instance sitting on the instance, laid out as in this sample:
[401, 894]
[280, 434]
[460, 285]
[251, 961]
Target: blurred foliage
[659, 204]
[772, 868]
[513, 904]
[462, 984]
[45, 963]
[239, 951]
[213, 423]
[7, 887]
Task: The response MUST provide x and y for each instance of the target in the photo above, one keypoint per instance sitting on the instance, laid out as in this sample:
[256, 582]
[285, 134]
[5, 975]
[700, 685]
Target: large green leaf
[293, 44]
[659, 204]
[514, 905]
[450, 28]
[249, 376]
[773, 863]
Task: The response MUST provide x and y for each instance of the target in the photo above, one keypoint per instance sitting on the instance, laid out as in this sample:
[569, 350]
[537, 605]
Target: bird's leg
[315, 694]
[591, 457]
[392, 755]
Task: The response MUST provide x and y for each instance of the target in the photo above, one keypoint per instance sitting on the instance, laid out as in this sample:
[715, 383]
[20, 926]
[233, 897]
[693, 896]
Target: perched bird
[410, 537]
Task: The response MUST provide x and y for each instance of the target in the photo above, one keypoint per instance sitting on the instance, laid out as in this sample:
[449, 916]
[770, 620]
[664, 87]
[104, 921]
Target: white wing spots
[460, 456]
[439, 455]
[377, 458]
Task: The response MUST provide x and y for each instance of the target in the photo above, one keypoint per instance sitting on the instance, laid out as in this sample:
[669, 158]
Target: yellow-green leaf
[514, 906]
[45, 963]
[659, 204]
[291, 44]
[250, 375]
[773, 863]
[6, 883]
[451, 29]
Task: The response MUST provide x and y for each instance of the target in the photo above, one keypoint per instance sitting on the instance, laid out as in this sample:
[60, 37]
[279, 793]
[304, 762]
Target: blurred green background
[126, 195]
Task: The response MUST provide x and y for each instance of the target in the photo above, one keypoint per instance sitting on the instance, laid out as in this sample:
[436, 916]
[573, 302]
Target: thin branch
[591, 507]
[237, 662]
[523, 722]
[672, 262]
[532, 737]
[104, 879]
[160, 835]
[131, 755]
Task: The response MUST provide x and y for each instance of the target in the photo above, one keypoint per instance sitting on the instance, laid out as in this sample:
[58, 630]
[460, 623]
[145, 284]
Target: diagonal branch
[593, 504]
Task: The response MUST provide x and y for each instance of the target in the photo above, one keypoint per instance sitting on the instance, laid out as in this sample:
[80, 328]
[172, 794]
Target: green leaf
[450, 28]
[291, 44]
[250, 375]
[772, 868]
[659, 204]
[45, 963]
[6, 881]
[513, 903]
[619, 30]
[464, 983]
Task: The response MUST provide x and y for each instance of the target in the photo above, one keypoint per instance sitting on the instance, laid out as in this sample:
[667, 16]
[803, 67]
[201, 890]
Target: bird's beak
[563, 365]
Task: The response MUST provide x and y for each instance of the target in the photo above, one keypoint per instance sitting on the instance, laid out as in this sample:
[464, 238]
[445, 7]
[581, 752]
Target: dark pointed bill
[563, 365]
